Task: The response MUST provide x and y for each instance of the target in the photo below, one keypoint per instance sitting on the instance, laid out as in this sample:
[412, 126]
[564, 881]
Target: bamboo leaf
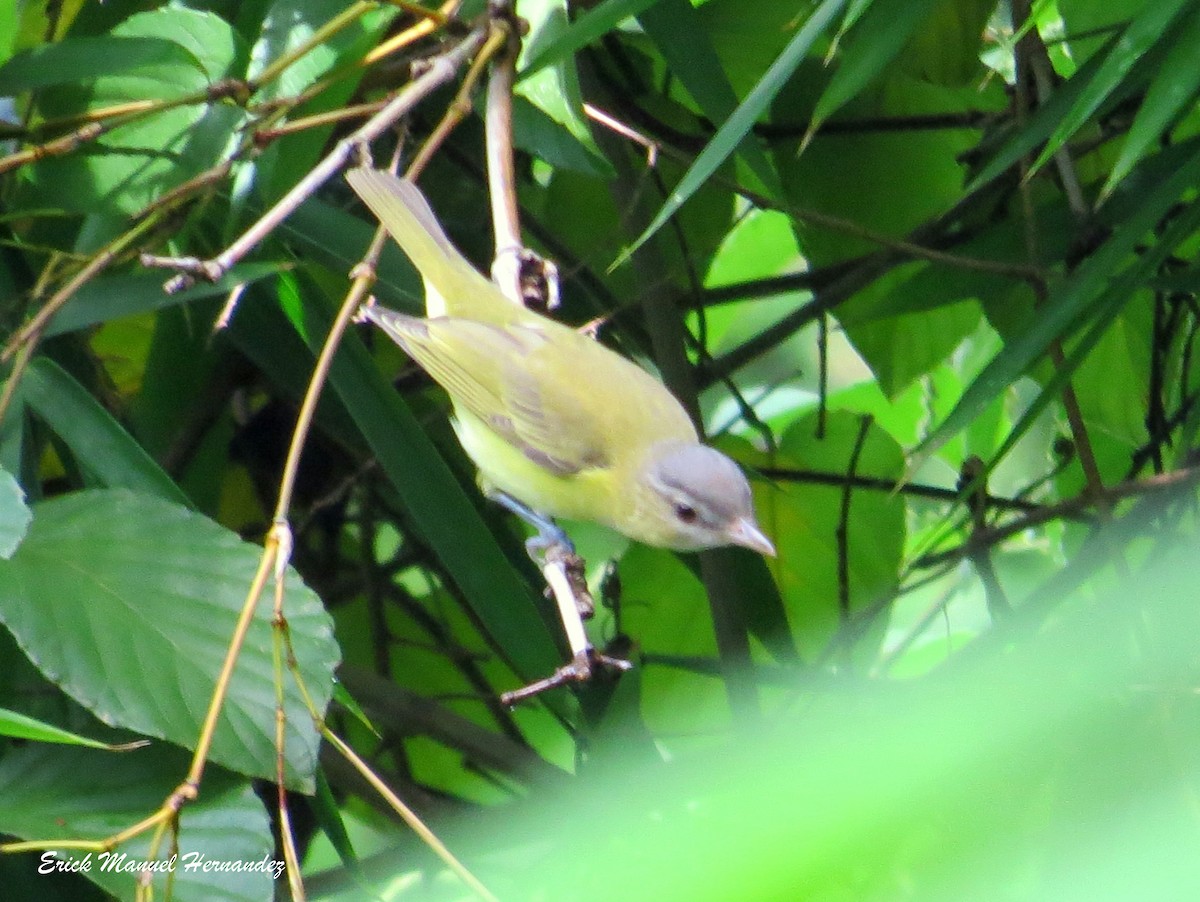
[1142, 34]
[1072, 298]
[730, 135]
[1173, 88]
[876, 38]
[675, 28]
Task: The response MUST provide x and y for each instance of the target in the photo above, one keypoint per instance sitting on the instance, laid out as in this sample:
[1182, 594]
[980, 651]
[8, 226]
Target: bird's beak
[745, 532]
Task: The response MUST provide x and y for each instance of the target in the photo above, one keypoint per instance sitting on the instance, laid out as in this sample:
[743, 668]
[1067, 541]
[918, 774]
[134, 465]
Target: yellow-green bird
[552, 418]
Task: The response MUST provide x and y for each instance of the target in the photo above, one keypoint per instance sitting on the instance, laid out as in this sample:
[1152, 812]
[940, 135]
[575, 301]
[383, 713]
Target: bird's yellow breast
[586, 495]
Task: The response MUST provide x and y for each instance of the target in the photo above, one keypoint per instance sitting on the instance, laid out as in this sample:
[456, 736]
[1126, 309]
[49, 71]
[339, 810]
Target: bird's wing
[514, 379]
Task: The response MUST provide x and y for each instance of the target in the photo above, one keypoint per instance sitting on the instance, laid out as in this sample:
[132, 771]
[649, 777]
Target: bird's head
[694, 497]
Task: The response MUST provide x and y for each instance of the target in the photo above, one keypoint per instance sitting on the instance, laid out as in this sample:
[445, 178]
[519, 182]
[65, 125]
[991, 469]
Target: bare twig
[431, 21]
[843, 527]
[56, 148]
[974, 477]
[440, 70]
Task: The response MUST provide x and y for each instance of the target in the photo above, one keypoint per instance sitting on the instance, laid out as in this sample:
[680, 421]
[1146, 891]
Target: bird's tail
[452, 285]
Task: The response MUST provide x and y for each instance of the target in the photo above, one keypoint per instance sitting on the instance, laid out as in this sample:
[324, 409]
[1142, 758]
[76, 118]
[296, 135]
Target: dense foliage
[927, 268]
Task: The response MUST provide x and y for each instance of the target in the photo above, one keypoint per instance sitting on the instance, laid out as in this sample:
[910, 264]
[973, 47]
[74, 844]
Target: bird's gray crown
[703, 475]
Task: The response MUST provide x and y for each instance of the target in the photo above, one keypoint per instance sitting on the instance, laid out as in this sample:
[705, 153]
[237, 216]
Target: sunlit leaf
[128, 603]
[1174, 86]
[1142, 33]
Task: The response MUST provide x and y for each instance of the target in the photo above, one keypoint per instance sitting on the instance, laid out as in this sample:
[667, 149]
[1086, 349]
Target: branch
[1070, 508]
[441, 70]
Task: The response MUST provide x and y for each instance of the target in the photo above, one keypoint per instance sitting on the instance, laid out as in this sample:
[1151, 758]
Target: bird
[558, 425]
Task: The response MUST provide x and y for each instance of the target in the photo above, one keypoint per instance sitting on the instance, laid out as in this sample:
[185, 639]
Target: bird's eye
[685, 513]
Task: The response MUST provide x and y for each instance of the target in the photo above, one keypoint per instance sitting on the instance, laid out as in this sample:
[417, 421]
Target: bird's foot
[581, 669]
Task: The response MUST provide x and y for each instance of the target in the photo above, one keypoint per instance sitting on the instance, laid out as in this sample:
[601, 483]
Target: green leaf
[49, 792]
[902, 348]
[730, 135]
[100, 444]
[591, 26]
[127, 294]
[1135, 42]
[548, 118]
[21, 726]
[144, 157]
[82, 60]
[676, 29]
[1174, 86]
[14, 515]
[1075, 296]
[875, 40]
[128, 603]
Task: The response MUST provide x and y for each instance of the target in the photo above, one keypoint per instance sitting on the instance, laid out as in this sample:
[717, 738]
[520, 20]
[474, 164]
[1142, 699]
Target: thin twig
[317, 38]
[1070, 508]
[431, 21]
[440, 70]
[56, 148]
[973, 477]
[842, 533]
[880, 484]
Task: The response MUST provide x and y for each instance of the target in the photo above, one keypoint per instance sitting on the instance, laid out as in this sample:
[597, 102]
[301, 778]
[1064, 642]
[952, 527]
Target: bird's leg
[563, 570]
[549, 533]
[550, 545]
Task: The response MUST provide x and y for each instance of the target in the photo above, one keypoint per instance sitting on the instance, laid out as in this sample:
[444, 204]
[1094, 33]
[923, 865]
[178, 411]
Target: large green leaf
[82, 60]
[128, 603]
[68, 793]
[144, 157]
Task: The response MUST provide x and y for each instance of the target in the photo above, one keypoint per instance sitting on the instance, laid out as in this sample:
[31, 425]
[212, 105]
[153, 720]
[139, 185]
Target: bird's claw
[581, 669]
